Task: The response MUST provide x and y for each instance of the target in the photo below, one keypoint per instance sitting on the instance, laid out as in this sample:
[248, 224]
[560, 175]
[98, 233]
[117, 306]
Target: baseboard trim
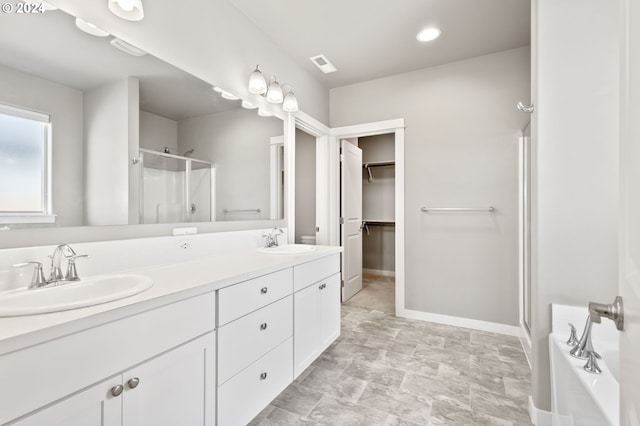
[492, 327]
[539, 417]
[525, 341]
[379, 272]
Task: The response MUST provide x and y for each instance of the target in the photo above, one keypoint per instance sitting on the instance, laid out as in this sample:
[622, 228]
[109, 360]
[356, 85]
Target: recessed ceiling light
[428, 34]
[127, 47]
[89, 28]
[229, 96]
[248, 105]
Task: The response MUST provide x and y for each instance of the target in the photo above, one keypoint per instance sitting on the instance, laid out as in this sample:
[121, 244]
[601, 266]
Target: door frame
[397, 127]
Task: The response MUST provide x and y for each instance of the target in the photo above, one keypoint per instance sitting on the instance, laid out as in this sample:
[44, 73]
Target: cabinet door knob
[264, 290]
[263, 376]
[263, 326]
[117, 390]
[133, 383]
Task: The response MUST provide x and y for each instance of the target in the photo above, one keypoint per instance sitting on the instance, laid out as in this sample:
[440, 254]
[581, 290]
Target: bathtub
[579, 398]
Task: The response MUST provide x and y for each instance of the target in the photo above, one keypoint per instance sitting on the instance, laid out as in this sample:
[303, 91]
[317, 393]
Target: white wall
[158, 132]
[460, 150]
[237, 141]
[575, 183]
[305, 185]
[107, 125]
[64, 105]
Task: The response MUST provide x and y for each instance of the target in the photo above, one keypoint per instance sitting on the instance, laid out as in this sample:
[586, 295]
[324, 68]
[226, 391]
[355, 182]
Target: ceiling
[50, 46]
[368, 39]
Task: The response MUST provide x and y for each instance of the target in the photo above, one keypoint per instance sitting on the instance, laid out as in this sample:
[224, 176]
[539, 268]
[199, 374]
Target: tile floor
[385, 370]
[378, 293]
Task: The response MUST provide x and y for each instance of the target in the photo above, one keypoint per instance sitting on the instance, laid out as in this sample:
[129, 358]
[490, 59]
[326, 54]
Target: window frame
[46, 214]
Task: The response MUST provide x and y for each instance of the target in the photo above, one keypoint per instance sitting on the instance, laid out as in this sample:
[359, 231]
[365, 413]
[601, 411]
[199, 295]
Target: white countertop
[172, 282]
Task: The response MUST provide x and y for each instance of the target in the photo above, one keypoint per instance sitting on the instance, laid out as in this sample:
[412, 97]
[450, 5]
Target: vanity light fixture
[257, 82]
[290, 102]
[264, 113]
[273, 92]
[131, 10]
[89, 28]
[428, 34]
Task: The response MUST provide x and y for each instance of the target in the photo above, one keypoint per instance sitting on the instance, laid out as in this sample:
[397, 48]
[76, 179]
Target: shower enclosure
[175, 188]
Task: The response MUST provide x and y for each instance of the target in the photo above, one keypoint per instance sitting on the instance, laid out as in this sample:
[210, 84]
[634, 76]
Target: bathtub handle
[573, 337]
[592, 363]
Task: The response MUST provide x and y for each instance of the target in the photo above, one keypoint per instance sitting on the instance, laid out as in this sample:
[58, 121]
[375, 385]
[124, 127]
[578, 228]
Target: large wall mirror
[91, 134]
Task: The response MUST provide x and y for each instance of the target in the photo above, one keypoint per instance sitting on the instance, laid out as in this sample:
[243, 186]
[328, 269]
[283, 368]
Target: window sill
[28, 219]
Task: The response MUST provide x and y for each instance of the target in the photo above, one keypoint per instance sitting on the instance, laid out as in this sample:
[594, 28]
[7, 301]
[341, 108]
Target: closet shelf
[371, 164]
[378, 222]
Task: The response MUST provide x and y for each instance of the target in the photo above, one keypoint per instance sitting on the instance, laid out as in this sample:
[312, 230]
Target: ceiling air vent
[323, 63]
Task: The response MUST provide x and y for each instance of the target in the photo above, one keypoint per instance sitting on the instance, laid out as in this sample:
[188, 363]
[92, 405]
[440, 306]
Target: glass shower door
[163, 195]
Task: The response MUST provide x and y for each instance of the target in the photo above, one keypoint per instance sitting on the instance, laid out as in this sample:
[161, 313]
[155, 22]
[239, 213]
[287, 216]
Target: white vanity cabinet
[170, 389]
[316, 309]
[156, 367]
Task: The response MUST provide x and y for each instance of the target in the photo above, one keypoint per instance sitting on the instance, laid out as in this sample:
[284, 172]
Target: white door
[629, 274]
[351, 213]
[175, 388]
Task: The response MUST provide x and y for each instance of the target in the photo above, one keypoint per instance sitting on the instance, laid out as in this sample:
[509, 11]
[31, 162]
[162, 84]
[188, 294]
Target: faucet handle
[72, 272]
[573, 337]
[592, 363]
[38, 279]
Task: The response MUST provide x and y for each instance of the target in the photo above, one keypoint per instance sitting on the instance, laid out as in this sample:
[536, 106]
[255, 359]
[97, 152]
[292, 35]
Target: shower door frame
[187, 171]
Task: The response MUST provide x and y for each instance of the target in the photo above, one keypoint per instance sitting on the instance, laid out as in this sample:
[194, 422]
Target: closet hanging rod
[457, 209]
[379, 222]
[241, 210]
[378, 164]
[371, 164]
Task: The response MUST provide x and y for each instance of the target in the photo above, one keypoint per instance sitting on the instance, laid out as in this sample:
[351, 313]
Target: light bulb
[257, 82]
[274, 92]
[428, 34]
[126, 4]
[290, 103]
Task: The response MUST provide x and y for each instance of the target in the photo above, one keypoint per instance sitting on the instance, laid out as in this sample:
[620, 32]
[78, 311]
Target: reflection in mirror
[122, 139]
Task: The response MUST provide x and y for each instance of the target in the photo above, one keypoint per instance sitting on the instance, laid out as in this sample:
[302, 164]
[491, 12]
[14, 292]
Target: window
[25, 191]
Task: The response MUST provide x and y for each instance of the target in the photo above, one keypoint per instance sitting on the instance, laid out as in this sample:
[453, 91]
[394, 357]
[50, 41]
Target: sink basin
[287, 249]
[86, 292]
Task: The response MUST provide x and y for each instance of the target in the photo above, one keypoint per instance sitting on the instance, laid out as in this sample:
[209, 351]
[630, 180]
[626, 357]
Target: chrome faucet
[55, 275]
[584, 346]
[271, 239]
[56, 260]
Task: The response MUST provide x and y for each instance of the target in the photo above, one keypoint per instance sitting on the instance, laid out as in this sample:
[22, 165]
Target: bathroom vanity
[212, 342]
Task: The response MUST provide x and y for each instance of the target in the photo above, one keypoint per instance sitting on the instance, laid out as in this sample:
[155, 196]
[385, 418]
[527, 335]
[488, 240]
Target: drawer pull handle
[263, 326]
[263, 376]
[323, 286]
[117, 390]
[264, 290]
[133, 383]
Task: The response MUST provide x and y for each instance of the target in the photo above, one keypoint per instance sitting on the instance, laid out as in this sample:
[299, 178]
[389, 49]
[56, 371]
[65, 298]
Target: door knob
[133, 383]
[117, 390]
[613, 311]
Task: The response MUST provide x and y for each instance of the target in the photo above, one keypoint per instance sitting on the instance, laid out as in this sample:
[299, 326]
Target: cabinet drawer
[314, 271]
[244, 396]
[240, 299]
[244, 340]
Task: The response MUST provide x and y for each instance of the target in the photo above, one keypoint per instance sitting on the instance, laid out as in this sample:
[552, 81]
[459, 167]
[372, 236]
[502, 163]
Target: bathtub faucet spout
[612, 311]
[584, 346]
